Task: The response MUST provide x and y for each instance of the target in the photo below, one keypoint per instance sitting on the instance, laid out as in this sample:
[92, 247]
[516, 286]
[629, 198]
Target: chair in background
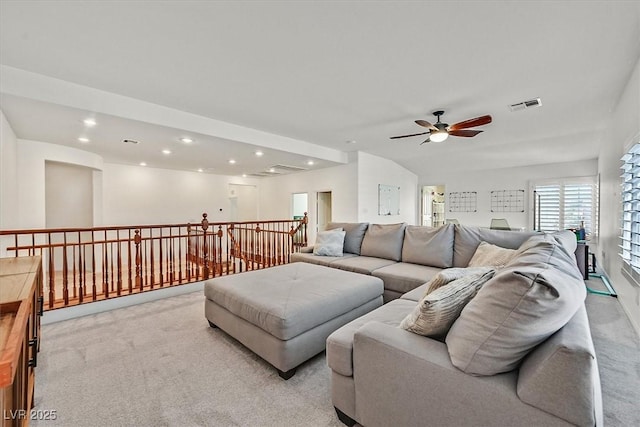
[499, 224]
[452, 221]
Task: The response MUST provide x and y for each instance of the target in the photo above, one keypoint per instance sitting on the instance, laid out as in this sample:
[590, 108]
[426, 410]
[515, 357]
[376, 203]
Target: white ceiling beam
[47, 89]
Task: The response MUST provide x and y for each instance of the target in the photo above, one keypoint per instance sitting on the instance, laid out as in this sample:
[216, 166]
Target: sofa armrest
[561, 376]
[405, 379]
[306, 249]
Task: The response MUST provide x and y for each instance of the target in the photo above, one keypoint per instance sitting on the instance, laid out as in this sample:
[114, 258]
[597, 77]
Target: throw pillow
[488, 255]
[428, 246]
[329, 243]
[436, 312]
[449, 275]
[355, 233]
[534, 296]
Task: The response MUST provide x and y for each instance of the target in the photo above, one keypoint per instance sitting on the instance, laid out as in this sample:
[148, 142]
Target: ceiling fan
[439, 131]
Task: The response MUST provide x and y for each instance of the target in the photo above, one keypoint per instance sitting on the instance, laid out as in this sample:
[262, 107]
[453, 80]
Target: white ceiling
[300, 79]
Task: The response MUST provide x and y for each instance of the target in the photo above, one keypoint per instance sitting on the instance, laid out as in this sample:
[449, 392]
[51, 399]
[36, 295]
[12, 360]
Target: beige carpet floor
[160, 364]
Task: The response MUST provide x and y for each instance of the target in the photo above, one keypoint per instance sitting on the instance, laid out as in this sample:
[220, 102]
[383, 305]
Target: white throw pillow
[488, 255]
[329, 243]
[436, 312]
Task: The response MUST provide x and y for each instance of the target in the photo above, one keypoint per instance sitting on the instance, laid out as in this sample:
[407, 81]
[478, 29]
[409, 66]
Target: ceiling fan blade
[426, 124]
[406, 136]
[465, 132]
[478, 121]
[425, 141]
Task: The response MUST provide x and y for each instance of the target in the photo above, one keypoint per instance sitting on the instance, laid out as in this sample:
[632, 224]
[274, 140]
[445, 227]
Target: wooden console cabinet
[21, 306]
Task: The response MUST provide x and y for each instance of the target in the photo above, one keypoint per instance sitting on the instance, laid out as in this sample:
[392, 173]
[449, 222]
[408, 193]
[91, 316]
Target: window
[630, 245]
[567, 203]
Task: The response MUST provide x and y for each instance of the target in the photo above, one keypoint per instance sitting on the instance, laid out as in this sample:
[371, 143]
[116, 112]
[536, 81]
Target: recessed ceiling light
[259, 153]
[83, 139]
[244, 175]
[310, 162]
[186, 140]
[272, 170]
[166, 151]
[143, 164]
[200, 170]
[89, 122]
[232, 162]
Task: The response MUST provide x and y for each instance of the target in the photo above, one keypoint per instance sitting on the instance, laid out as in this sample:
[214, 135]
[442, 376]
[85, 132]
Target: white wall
[624, 129]
[142, 195]
[374, 170]
[276, 193]
[483, 182]
[31, 176]
[8, 175]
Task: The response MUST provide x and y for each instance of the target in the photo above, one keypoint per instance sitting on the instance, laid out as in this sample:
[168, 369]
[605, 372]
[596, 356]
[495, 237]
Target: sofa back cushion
[535, 295]
[384, 241]
[467, 239]
[354, 233]
[428, 246]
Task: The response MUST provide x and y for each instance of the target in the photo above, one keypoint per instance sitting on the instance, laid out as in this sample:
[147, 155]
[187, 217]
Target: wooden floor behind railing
[83, 265]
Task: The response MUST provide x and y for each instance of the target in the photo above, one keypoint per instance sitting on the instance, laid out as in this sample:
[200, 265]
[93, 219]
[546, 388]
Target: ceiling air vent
[287, 168]
[532, 103]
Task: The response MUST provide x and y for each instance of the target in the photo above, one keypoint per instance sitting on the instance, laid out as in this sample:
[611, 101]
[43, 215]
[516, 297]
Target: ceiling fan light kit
[439, 131]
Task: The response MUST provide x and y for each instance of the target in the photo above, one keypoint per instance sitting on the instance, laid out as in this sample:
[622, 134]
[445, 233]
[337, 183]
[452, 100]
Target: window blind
[630, 229]
[567, 203]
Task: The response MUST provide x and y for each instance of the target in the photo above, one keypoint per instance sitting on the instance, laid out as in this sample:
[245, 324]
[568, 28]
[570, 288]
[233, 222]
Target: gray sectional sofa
[520, 353]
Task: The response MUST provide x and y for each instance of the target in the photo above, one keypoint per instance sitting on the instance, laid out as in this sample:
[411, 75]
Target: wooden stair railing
[82, 265]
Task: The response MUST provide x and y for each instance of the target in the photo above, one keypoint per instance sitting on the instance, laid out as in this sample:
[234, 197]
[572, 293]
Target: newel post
[137, 239]
[305, 221]
[205, 225]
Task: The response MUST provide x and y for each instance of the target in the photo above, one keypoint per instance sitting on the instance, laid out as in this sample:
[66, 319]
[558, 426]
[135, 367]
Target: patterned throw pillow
[329, 243]
[488, 255]
[449, 275]
[436, 312]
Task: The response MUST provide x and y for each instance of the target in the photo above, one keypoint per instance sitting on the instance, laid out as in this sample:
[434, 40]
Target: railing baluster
[52, 280]
[65, 272]
[137, 239]
[119, 246]
[129, 264]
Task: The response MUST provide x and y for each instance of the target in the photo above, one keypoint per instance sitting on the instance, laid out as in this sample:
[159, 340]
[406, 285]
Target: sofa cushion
[416, 294]
[468, 238]
[403, 277]
[384, 241]
[428, 245]
[329, 243]
[354, 234]
[340, 342]
[436, 311]
[360, 264]
[522, 305]
[488, 255]
[317, 259]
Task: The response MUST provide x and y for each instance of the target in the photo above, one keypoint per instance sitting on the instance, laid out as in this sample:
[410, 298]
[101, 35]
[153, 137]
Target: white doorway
[299, 205]
[433, 214]
[68, 195]
[243, 203]
[323, 210]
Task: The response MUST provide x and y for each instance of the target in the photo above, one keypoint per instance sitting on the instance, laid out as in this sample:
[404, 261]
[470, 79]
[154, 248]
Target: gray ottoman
[284, 314]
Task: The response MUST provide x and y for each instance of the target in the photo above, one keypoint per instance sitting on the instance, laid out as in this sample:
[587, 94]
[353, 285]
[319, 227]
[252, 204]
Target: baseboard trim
[67, 313]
